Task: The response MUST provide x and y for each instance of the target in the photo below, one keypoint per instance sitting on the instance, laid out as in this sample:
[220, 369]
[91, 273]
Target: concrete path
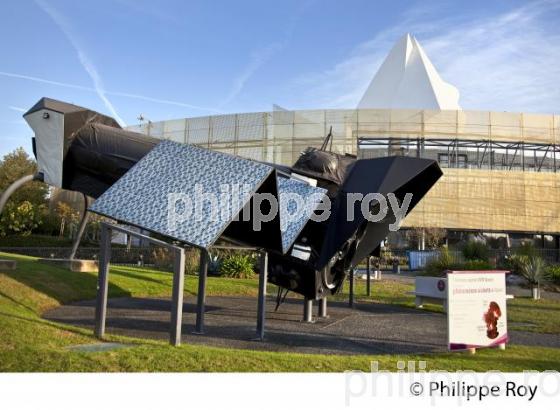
[369, 328]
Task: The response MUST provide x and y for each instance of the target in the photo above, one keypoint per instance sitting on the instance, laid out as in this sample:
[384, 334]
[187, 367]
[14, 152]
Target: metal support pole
[177, 297]
[81, 228]
[261, 306]
[351, 291]
[368, 280]
[201, 297]
[103, 281]
[323, 307]
[308, 310]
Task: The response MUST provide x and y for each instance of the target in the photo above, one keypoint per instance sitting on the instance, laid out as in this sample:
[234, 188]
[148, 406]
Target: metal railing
[468, 154]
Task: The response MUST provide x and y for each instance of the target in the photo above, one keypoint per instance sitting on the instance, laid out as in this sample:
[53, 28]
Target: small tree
[20, 219]
[68, 216]
[533, 269]
[15, 165]
[433, 237]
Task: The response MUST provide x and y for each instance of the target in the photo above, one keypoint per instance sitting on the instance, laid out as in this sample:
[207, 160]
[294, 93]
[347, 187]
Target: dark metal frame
[178, 285]
[177, 290]
[484, 154]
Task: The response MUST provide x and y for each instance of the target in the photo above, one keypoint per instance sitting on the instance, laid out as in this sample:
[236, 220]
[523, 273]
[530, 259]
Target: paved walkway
[369, 328]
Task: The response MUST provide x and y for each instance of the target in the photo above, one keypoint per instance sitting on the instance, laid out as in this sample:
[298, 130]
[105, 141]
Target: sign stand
[476, 310]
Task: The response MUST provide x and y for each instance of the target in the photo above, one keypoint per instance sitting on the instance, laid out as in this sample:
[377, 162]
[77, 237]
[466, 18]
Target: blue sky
[173, 59]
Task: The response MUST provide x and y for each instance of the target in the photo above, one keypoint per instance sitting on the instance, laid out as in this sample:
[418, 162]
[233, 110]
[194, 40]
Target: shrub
[474, 265]
[527, 249]
[444, 262]
[237, 266]
[437, 267]
[532, 268]
[163, 259]
[20, 219]
[475, 250]
[50, 224]
[553, 272]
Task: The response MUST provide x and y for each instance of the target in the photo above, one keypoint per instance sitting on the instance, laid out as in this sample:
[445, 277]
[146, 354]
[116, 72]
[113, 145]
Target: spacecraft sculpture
[131, 176]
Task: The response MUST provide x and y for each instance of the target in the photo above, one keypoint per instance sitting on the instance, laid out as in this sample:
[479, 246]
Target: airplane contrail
[115, 93]
[85, 61]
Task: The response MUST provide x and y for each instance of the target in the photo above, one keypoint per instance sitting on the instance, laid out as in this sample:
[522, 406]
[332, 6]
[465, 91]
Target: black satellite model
[81, 150]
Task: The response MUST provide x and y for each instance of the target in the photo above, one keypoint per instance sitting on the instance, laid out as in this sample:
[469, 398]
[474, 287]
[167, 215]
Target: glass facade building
[501, 170]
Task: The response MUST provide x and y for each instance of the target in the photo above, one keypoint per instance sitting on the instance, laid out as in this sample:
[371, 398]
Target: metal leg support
[201, 297]
[177, 298]
[81, 229]
[102, 282]
[368, 282]
[323, 307]
[261, 307]
[308, 310]
[351, 290]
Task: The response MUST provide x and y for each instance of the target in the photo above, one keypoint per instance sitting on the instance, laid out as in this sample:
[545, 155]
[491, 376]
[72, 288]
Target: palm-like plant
[532, 269]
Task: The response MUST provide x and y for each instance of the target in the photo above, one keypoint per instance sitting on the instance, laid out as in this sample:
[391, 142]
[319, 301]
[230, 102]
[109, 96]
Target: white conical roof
[408, 79]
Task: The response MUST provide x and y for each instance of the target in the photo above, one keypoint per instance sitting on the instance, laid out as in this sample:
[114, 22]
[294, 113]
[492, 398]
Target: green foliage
[474, 265]
[237, 266]
[438, 266]
[532, 268]
[25, 209]
[50, 223]
[69, 218]
[14, 166]
[475, 250]
[445, 262]
[35, 240]
[20, 219]
[526, 249]
[553, 272]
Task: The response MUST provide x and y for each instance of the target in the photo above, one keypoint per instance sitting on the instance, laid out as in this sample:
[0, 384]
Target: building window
[453, 160]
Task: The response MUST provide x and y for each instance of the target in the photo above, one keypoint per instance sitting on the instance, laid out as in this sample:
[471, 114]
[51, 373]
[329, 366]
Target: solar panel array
[294, 214]
[158, 186]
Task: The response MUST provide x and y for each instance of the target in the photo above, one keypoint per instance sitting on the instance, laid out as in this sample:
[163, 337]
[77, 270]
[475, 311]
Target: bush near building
[553, 272]
[445, 262]
[237, 266]
[476, 251]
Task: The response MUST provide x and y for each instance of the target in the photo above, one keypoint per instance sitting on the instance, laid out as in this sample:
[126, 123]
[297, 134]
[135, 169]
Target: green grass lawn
[524, 313]
[29, 343]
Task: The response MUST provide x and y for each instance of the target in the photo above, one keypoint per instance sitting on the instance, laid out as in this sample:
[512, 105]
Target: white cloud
[505, 62]
[85, 61]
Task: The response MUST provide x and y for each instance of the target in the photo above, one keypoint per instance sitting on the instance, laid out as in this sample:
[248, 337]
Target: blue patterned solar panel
[291, 222]
[173, 171]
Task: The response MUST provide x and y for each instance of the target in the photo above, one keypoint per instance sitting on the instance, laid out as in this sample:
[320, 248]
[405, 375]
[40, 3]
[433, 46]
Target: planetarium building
[501, 169]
